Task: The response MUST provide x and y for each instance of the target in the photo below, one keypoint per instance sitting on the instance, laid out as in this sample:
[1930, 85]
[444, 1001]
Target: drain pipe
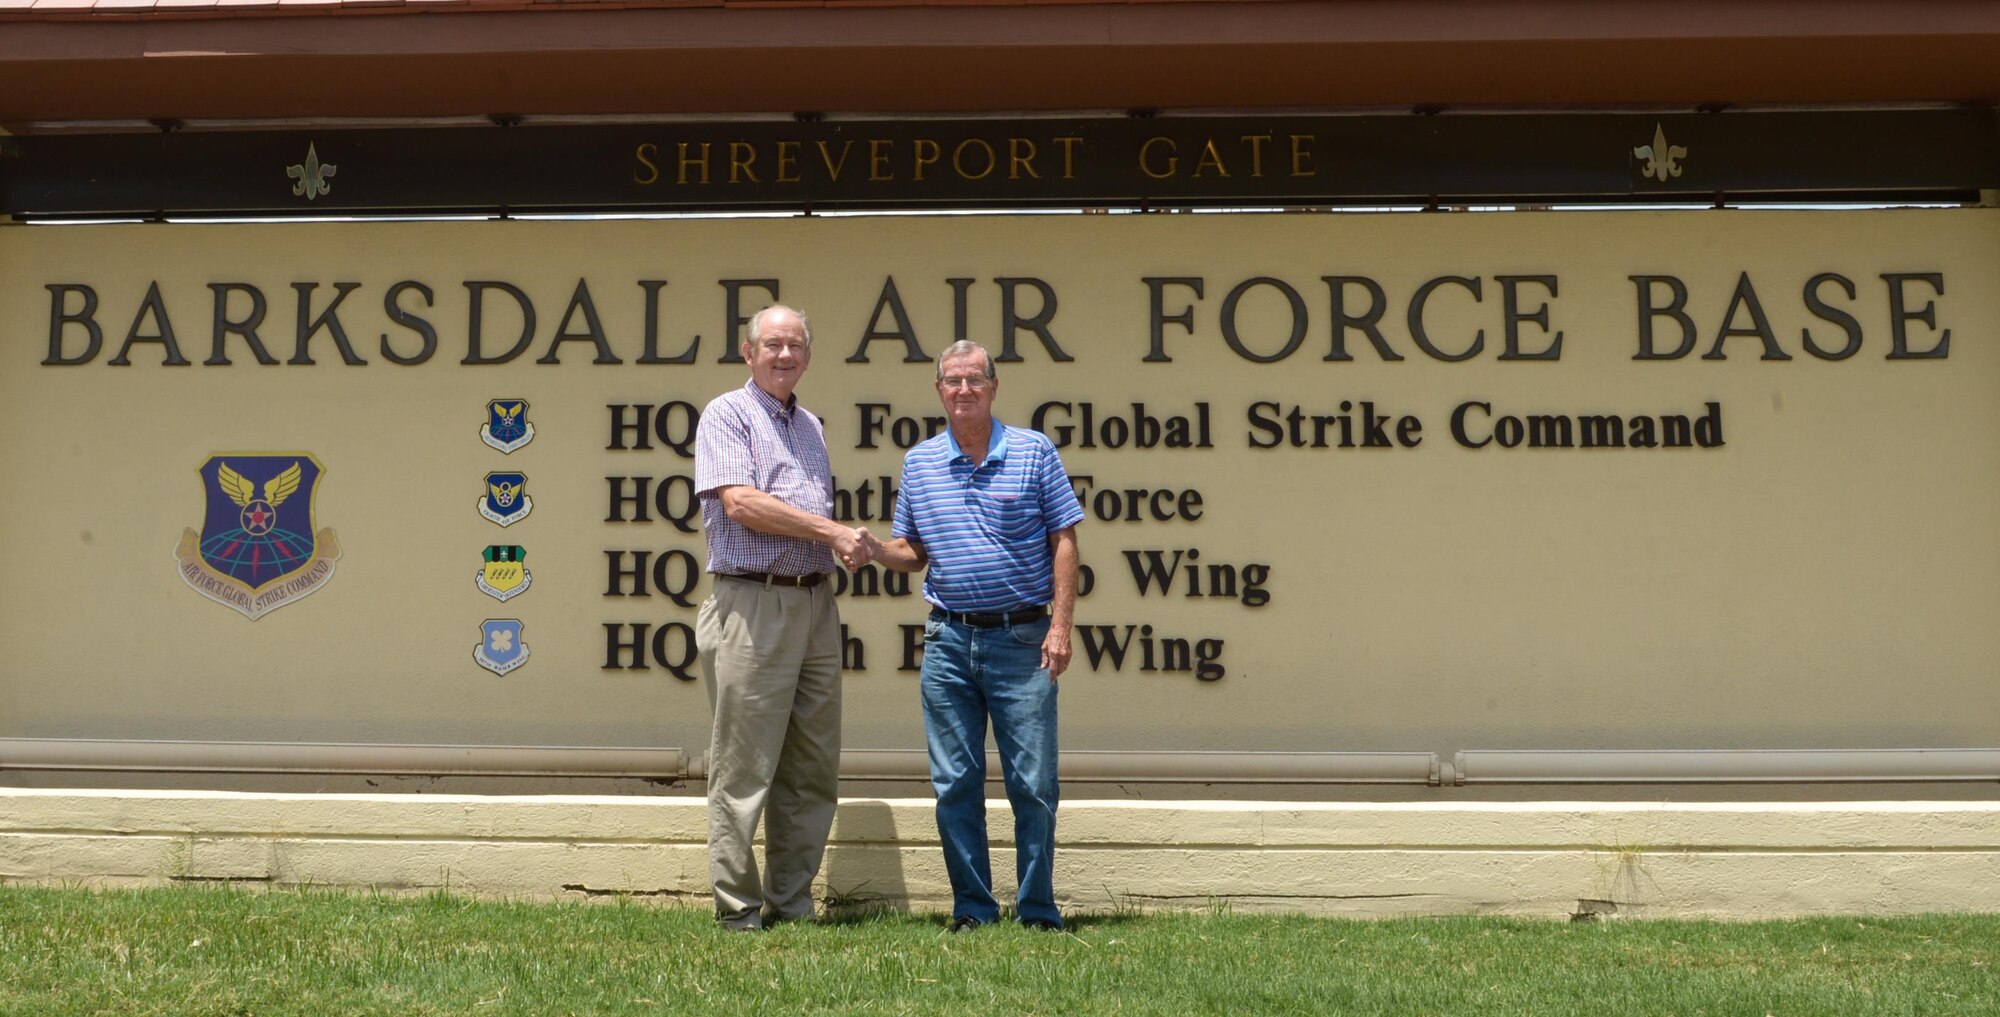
[1471, 766]
[296, 757]
[1191, 767]
[1724, 766]
[675, 764]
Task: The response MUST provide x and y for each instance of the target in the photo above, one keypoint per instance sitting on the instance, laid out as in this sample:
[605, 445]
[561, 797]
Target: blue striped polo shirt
[986, 530]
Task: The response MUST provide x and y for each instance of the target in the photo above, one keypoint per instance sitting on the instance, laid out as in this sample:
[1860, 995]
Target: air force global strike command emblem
[506, 499]
[507, 426]
[505, 574]
[257, 551]
[500, 647]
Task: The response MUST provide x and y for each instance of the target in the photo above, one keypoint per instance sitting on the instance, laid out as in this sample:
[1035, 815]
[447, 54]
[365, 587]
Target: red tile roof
[95, 10]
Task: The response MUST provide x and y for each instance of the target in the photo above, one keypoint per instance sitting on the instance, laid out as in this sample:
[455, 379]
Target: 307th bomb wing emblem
[257, 551]
[507, 427]
[506, 499]
[505, 574]
[501, 646]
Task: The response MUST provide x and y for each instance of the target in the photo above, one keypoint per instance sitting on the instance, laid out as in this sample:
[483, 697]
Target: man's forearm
[759, 511]
[1063, 609]
[901, 555]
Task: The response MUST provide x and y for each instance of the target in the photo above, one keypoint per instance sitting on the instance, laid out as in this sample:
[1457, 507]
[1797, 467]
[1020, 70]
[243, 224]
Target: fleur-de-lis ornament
[311, 175]
[1662, 160]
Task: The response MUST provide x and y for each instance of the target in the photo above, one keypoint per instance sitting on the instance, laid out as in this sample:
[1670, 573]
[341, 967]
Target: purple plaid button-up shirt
[747, 437]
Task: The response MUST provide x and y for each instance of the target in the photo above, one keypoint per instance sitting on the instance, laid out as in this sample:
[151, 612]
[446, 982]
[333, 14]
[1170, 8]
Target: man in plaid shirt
[769, 635]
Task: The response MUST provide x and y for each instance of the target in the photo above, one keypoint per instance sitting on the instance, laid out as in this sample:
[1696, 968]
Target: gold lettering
[1017, 161]
[1173, 157]
[741, 155]
[879, 150]
[1302, 156]
[788, 162]
[920, 146]
[833, 168]
[1069, 143]
[686, 162]
[651, 174]
[1210, 157]
[1256, 152]
[958, 162]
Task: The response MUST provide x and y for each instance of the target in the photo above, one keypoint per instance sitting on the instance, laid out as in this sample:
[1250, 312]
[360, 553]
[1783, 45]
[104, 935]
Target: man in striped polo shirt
[769, 635]
[990, 510]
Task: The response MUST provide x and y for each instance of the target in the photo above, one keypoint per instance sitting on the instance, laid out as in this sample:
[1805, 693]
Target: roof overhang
[426, 60]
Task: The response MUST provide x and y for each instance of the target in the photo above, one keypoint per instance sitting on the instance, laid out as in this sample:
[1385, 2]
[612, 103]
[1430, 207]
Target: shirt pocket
[1011, 510]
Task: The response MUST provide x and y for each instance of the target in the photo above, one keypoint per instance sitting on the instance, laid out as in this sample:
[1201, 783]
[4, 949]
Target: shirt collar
[996, 444]
[770, 403]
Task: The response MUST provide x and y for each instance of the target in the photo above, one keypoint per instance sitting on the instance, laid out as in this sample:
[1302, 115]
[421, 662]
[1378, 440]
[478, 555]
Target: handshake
[857, 548]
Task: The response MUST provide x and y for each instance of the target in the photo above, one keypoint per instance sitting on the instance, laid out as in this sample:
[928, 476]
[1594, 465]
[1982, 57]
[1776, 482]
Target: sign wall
[1627, 480]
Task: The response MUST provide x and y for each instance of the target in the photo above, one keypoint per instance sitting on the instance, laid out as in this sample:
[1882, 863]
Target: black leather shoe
[962, 923]
[1042, 925]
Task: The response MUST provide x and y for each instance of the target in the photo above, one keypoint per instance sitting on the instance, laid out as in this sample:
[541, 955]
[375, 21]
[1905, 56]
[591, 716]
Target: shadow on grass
[887, 917]
[879, 916]
[1106, 920]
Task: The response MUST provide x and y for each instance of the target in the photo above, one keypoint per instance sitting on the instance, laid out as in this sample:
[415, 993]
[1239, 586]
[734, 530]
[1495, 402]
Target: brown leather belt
[767, 579]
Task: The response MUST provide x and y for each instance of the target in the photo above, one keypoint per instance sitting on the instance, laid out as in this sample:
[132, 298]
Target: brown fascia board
[464, 61]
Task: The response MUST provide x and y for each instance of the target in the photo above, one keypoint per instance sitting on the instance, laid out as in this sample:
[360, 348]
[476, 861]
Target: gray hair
[753, 327]
[961, 348]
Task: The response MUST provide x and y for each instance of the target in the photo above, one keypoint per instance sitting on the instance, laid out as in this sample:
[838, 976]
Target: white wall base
[1726, 860]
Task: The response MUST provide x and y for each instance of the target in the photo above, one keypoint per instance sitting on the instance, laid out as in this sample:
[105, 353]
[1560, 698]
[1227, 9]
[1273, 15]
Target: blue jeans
[969, 674]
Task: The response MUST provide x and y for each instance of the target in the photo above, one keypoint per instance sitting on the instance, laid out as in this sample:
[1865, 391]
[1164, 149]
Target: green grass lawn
[206, 951]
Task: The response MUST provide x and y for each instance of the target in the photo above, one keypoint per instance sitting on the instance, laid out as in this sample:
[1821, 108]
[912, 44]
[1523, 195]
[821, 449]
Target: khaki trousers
[770, 658]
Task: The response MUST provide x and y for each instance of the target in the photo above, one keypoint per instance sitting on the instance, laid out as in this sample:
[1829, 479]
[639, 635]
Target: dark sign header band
[1135, 162]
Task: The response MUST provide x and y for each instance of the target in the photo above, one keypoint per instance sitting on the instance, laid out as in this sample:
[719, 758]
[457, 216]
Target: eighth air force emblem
[257, 551]
[506, 499]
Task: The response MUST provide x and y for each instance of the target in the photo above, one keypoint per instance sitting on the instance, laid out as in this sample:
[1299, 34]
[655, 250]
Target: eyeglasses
[974, 382]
